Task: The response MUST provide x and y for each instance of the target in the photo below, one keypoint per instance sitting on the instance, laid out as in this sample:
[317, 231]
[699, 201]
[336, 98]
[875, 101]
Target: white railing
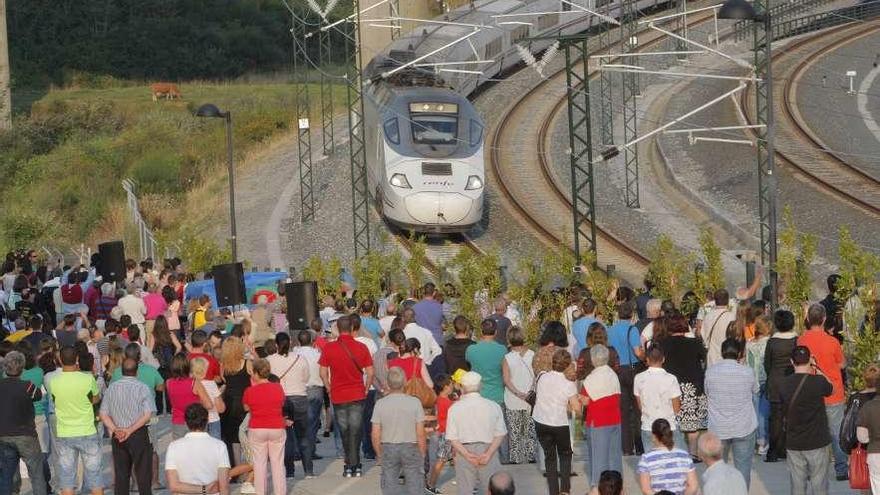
[147, 245]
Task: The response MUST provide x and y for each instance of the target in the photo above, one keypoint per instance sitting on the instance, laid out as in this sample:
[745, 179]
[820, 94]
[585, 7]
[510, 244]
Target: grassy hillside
[62, 164]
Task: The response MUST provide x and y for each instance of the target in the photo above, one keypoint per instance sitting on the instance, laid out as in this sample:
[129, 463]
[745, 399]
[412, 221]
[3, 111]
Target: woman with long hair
[411, 363]
[198, 370]
[666, 467]
[266, 430]
[172, 311]
[236, 371]
[686, 359]
[183, 390]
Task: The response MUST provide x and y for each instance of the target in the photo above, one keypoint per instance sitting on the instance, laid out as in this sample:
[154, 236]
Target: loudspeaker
[302, 304]
[111, 265]
[229, 284]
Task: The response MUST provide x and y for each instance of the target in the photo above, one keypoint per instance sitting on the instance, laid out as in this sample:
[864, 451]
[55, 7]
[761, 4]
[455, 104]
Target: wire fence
[148, 247]
[816, 22]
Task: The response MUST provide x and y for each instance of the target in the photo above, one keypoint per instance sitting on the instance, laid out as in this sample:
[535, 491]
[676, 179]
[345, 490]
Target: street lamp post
[211, 111]
[767, 185]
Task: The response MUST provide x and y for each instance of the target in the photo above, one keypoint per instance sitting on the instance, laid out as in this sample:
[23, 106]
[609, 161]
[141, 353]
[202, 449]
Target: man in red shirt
[346, 368]
[829, 358]
[198, 340]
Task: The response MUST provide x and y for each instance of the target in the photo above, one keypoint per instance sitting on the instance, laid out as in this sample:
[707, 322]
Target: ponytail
[663, 432]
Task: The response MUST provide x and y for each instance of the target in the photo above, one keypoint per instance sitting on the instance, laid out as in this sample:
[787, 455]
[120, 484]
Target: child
[445, 388]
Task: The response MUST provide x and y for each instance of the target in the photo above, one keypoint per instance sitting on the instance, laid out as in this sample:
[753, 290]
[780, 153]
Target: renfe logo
[444, 183]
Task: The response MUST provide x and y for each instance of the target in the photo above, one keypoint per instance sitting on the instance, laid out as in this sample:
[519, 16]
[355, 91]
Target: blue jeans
[808, 468]
[350, 420]
[316, 406]
[835, 417]
[606, 453]
[70, 449]
[26, 448]
[298, 442]
[369, 404]
[214, 430]
[762, 410]
[743, 449]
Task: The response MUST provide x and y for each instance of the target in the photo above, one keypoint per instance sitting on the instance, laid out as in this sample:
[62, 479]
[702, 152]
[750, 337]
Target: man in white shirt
[714, 329]
[430, 348]
[197, 463]
[293, 373]
[314, 387]
[134, 307]
[475, 428]
[390, 315]
[658, 395]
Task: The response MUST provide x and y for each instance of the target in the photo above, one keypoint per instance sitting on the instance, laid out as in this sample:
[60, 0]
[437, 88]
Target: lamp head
[738, 10]
[210, 110]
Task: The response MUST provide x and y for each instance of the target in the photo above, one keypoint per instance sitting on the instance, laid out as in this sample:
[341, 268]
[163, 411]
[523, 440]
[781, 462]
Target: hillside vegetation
[62, 164]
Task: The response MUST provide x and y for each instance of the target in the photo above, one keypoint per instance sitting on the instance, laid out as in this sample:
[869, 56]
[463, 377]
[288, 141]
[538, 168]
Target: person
[456, 346]
[502, 323]
[868, 425]
[133, 306]
[501, 483]
[686, 359]
[381, 359]
[828, 354]
[36, 375]
[428, 343]
[729, 385]
[410, 362]
[126, 411]
[199, 349]
[429, 313]
[197, 463]
[666, 467]
[777, 364]
[555, 395]
[183, 390]
[264, 400]
[755, 350]
[444, 388]
[581, 326]
[596, 335]
[475, 428]
[104, 303]
[352, 374]
[610, 483]
[719, 477]
[156, 306]
[831, 302]
[236, 372]
[601, 396]
[73, 394]
[199, 370]
[516, 370]
[172, 309]
[399, 439]
[163, 345]
[807, 435]
[18, 432]
[658, 395]
[485, 357]
[646, 324]
[715, 324]
[642, 299]
[624, 337]
[314, 386]
[370, 323]
[293, 373]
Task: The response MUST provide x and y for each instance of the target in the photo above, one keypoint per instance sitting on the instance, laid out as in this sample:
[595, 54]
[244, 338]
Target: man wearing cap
[475, 427]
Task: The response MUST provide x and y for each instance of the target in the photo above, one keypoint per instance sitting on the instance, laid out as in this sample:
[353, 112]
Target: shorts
[87, 448]
[444, 448]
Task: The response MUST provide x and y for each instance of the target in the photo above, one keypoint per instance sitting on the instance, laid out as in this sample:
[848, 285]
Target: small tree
[794, 257]
[325, 273]
[418, 258]
[857, 292]
[669, 270]
[479, 277]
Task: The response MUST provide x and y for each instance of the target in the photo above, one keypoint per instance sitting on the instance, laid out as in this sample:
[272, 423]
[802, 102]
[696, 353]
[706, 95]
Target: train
[423, 137]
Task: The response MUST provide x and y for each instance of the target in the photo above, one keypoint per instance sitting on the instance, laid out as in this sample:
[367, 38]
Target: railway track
[796, 146]
[518, 161]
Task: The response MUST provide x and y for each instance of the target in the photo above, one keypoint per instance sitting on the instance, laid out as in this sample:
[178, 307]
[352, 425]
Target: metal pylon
[763, 38]
[681, 29]
[303, 134]
[360, 208]
[326, 55]
[606, 103]
[628, 32]
[580, 142]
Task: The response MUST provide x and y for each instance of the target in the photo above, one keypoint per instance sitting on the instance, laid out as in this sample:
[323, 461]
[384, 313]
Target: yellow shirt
[17, 336]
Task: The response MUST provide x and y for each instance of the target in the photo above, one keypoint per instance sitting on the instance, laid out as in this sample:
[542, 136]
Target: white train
[424, 139]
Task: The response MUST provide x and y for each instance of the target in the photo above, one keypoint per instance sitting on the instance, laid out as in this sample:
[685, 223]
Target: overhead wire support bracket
[303, 125]
[606, 102]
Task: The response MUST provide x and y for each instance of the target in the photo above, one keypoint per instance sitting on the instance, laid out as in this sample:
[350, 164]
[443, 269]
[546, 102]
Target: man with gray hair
[475, 428]
[720, 477]
[601, 393]
[18, 433]
[646, 325]
[399, 439]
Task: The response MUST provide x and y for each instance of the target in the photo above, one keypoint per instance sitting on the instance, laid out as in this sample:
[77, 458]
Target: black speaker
[229, 284]
[302, 304]
[111, 265]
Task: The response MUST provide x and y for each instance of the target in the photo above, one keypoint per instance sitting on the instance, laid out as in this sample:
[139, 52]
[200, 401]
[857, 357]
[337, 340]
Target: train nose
[438, 208]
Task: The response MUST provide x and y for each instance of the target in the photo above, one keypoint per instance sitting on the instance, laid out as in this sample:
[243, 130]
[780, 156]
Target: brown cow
[168, 90]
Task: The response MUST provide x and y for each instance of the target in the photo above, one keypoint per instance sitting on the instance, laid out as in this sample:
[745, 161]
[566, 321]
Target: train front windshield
[434, 123]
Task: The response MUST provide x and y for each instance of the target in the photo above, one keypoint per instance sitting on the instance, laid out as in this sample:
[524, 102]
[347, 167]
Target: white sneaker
[248, 488]
[762, 449]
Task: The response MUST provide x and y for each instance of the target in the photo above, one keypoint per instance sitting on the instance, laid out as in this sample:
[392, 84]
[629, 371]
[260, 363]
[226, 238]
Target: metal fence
[147, 245]
[782, 12]
[816, 22]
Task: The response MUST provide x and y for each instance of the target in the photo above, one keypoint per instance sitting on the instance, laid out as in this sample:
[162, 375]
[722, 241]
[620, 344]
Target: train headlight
[399, 180]
[474, 182]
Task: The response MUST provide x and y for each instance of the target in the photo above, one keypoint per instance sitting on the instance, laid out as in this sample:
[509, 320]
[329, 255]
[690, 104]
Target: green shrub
[157, 172]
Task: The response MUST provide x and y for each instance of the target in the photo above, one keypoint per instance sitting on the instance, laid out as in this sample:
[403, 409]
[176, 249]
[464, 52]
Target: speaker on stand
[302, 304]
[111, 261]
[229, 284]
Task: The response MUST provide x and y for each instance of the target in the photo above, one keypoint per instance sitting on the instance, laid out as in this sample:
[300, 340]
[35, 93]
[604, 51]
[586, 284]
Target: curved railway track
[796, 146]
[532, 191]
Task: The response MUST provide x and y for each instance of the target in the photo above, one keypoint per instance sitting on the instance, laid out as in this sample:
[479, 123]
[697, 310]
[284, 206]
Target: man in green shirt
[74, 394]
[485, 357]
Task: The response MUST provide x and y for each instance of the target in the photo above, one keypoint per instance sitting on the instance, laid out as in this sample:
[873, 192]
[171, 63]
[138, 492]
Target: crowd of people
[406, 382]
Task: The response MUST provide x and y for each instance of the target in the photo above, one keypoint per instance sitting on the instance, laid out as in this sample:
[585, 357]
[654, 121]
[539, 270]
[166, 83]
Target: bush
[158, 172]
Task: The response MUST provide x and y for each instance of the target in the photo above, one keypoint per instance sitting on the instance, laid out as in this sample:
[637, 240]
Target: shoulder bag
[708, 340]
[416, 387]
[532, 396]
[794, 396]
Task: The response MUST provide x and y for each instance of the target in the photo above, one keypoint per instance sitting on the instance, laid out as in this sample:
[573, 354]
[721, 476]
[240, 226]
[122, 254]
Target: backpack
[847, 434]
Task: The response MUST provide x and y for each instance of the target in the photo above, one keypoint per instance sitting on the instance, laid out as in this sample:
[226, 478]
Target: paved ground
[767, 479]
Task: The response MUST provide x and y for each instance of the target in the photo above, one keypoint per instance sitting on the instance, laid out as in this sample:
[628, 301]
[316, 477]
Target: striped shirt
[127, 400]
[728, 386]
[668, 469]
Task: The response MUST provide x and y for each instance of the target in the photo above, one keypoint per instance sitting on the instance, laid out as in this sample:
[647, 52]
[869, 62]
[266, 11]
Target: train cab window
[434, 129]
[392, 130]
[475, 133]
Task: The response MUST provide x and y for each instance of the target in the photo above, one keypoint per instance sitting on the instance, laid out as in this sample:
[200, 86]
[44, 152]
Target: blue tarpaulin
[253, 281]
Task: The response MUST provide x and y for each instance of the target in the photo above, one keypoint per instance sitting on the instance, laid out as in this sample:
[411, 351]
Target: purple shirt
[429, 314]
